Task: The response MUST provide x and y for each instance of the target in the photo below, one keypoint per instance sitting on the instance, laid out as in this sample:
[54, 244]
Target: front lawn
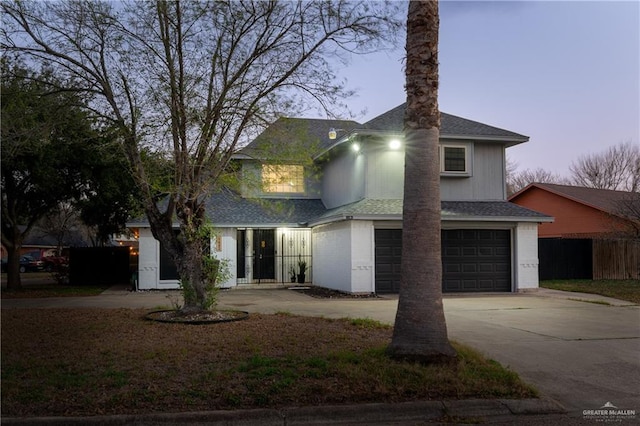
[72, 362]
[53, 290]
[43, 284]
[628, 290]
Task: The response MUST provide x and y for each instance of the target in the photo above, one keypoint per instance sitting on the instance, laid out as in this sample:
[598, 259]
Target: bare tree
[420, 331]
[196, 79]
[517, 180]
[628, 207]
[58, 224]
[617, 168]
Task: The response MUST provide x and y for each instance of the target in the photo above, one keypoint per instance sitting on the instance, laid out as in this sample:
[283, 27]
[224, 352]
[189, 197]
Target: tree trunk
[14, 282]
[192, 276]
[420, 331]
[188, 248]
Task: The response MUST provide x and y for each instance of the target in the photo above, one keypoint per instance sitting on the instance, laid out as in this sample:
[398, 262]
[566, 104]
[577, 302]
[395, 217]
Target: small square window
[454, 159]
[282, 178]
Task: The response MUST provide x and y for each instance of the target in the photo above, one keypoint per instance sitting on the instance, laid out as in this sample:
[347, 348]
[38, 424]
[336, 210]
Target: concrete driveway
[580, 353]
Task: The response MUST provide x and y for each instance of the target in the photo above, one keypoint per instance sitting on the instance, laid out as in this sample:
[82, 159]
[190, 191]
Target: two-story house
[343, 215]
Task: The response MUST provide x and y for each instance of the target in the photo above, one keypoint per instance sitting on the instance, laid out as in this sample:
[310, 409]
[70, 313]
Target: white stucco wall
[332, 256]
[362, 257]
[149, 264]
[147, 260]
[526, 257]
[343, 256]
[228, 252]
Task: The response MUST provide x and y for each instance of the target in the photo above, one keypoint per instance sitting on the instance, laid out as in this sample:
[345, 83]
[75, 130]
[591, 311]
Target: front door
[264, 254]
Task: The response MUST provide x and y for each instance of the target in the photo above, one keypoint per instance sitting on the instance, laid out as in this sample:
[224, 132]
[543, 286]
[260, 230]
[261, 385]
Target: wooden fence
[616, 259]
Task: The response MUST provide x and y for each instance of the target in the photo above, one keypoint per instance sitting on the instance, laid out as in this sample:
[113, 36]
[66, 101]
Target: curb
[474, 409]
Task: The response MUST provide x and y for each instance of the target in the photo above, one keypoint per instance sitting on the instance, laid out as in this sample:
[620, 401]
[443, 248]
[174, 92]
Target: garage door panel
[469, 285]
[486, 235]
[486, 267]
[468, 268]
[385, 268]
[452, 251]
[470, 251]
[457, 284]
[503, 251]
[486, 251]
[383, 251]
[467, 234]
[472, 260]
[486, 285]
[504, 268]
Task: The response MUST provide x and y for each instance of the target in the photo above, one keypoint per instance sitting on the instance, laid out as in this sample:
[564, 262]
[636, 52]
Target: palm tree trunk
[420, 331]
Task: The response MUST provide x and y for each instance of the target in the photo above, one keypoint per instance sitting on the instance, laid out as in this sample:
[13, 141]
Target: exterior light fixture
[394, 144]
[355, 147]
[333, 133]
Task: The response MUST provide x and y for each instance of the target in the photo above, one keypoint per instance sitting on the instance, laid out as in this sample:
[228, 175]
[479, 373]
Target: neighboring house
[39, 243]
[581, 212]
[343, 216]
[595, 234]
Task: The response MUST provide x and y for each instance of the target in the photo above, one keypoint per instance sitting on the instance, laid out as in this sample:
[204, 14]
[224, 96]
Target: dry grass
[99, 361]
[628, 290]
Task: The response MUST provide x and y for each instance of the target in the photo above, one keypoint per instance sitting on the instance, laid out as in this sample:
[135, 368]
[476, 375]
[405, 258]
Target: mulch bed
[327, 293]
[196, 318]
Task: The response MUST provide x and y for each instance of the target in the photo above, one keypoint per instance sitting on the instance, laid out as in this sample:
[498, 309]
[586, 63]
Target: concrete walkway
[580, 350]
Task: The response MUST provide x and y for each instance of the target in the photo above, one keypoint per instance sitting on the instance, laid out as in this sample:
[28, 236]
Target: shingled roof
[450, 210]
[450, 126]
[606, 200]
[286, 132]
[228, 208]
[313, 132]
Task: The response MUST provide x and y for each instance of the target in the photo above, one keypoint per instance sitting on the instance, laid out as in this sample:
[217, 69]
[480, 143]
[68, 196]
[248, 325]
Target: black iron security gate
[264, 258]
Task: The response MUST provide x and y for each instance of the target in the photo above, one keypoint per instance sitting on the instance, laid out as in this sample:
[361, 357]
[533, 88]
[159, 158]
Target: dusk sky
[566, 74]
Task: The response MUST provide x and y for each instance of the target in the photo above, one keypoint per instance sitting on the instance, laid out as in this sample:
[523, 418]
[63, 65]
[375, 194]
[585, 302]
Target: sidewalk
[407, 413]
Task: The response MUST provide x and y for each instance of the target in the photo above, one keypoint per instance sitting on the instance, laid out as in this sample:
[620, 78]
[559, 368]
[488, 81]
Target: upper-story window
[282, 178]
[454, 160]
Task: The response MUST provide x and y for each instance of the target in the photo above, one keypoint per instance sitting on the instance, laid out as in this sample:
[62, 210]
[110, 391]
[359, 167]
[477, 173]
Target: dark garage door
[473, 260]
[388, 250]
[476, 260]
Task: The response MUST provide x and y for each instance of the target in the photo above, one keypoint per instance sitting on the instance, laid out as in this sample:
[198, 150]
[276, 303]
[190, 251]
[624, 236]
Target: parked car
[55, 263]
[27, 264]
[49, 263]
